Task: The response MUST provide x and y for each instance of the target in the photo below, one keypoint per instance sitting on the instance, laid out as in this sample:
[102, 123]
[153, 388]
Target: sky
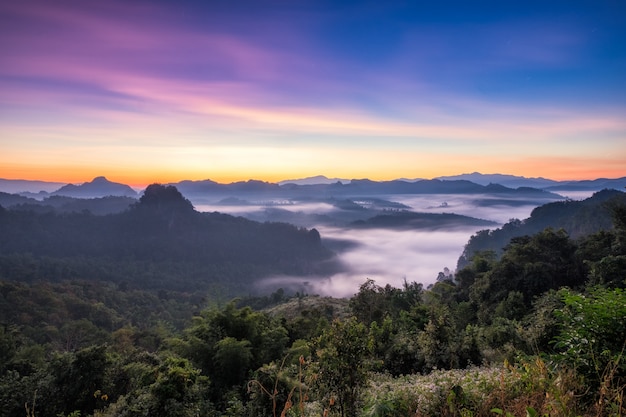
[160, 91]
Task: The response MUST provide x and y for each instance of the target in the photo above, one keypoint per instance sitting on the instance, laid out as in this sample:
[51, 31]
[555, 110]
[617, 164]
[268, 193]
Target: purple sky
[148, 91]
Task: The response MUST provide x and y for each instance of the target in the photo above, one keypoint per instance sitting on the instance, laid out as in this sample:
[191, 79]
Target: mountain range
[474, 183]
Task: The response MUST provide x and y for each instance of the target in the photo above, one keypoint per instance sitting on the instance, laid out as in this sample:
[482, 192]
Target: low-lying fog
[388, 256]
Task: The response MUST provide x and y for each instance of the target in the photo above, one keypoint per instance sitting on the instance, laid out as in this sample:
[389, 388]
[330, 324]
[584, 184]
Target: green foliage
[540, 325]
[234, 358]
[165, 386]
[513, 307]
[229, 344]
[577, 218]
[501, 412]
[434, 342]
[604, 253]
[592, 338]
[343, 364]
[373, 303]
[394, 316]
[529, 266]
[386, 408]
[286, 387]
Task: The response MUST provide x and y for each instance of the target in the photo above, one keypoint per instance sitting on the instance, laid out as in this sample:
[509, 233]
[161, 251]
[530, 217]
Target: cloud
[392, 256]
[386, 256]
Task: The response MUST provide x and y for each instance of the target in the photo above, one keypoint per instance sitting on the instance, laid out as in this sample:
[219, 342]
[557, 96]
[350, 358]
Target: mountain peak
[164, 197]
[98, 187]
[317, 179]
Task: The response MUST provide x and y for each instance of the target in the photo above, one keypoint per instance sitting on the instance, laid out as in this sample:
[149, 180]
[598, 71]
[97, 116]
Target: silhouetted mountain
[164, 199]
[212, 189]
[254, 186]
[318, 179]
[435, 187]
[510, 181]
[590, 185]
[27, 186]
[189, 187]
[98, 187]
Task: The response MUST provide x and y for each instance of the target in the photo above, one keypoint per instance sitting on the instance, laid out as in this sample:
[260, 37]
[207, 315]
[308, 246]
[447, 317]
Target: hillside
[577, 218]
[63, 204]
[159, 242]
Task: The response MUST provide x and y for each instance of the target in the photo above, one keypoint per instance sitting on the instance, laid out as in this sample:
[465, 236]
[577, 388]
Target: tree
[530, 266]
[373, 303]
[75, 379]
[343, 365]
[591, 336]
[368, 305]
[435, 341]
[233, 358]
[167, 386]
[604, 253]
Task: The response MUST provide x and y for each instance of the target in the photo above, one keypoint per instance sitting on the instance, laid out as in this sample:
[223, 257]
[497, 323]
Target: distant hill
[10, 200]
[510, 181]
[62, 204]
[410, 220]
[318, 179]
[98, 187]
[209, 188]
[27, 186]
[589, 185]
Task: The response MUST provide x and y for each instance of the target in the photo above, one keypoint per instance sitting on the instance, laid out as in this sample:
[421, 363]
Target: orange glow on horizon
[554, 169]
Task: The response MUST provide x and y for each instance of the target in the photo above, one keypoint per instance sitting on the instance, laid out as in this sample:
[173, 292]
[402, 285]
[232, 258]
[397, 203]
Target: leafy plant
[343, 365]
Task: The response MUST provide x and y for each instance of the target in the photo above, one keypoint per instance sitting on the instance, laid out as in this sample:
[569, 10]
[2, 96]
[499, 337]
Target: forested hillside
[535, 330]
[161, 242]
[577, 218]
[63, 204]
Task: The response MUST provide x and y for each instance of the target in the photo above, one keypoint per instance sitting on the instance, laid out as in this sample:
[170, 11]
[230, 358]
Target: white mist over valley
[388, 256]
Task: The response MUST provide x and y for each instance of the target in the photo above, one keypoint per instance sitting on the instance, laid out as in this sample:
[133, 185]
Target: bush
[592, 339]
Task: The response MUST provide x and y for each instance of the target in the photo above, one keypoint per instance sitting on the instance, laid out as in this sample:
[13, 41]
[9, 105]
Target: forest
[135, 314]
[160, 242]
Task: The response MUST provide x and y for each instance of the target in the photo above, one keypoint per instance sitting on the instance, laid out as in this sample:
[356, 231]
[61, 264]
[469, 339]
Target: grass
[528, 389]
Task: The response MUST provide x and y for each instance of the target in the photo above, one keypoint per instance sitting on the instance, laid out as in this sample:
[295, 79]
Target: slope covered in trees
[160, 242]
[577, 218]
